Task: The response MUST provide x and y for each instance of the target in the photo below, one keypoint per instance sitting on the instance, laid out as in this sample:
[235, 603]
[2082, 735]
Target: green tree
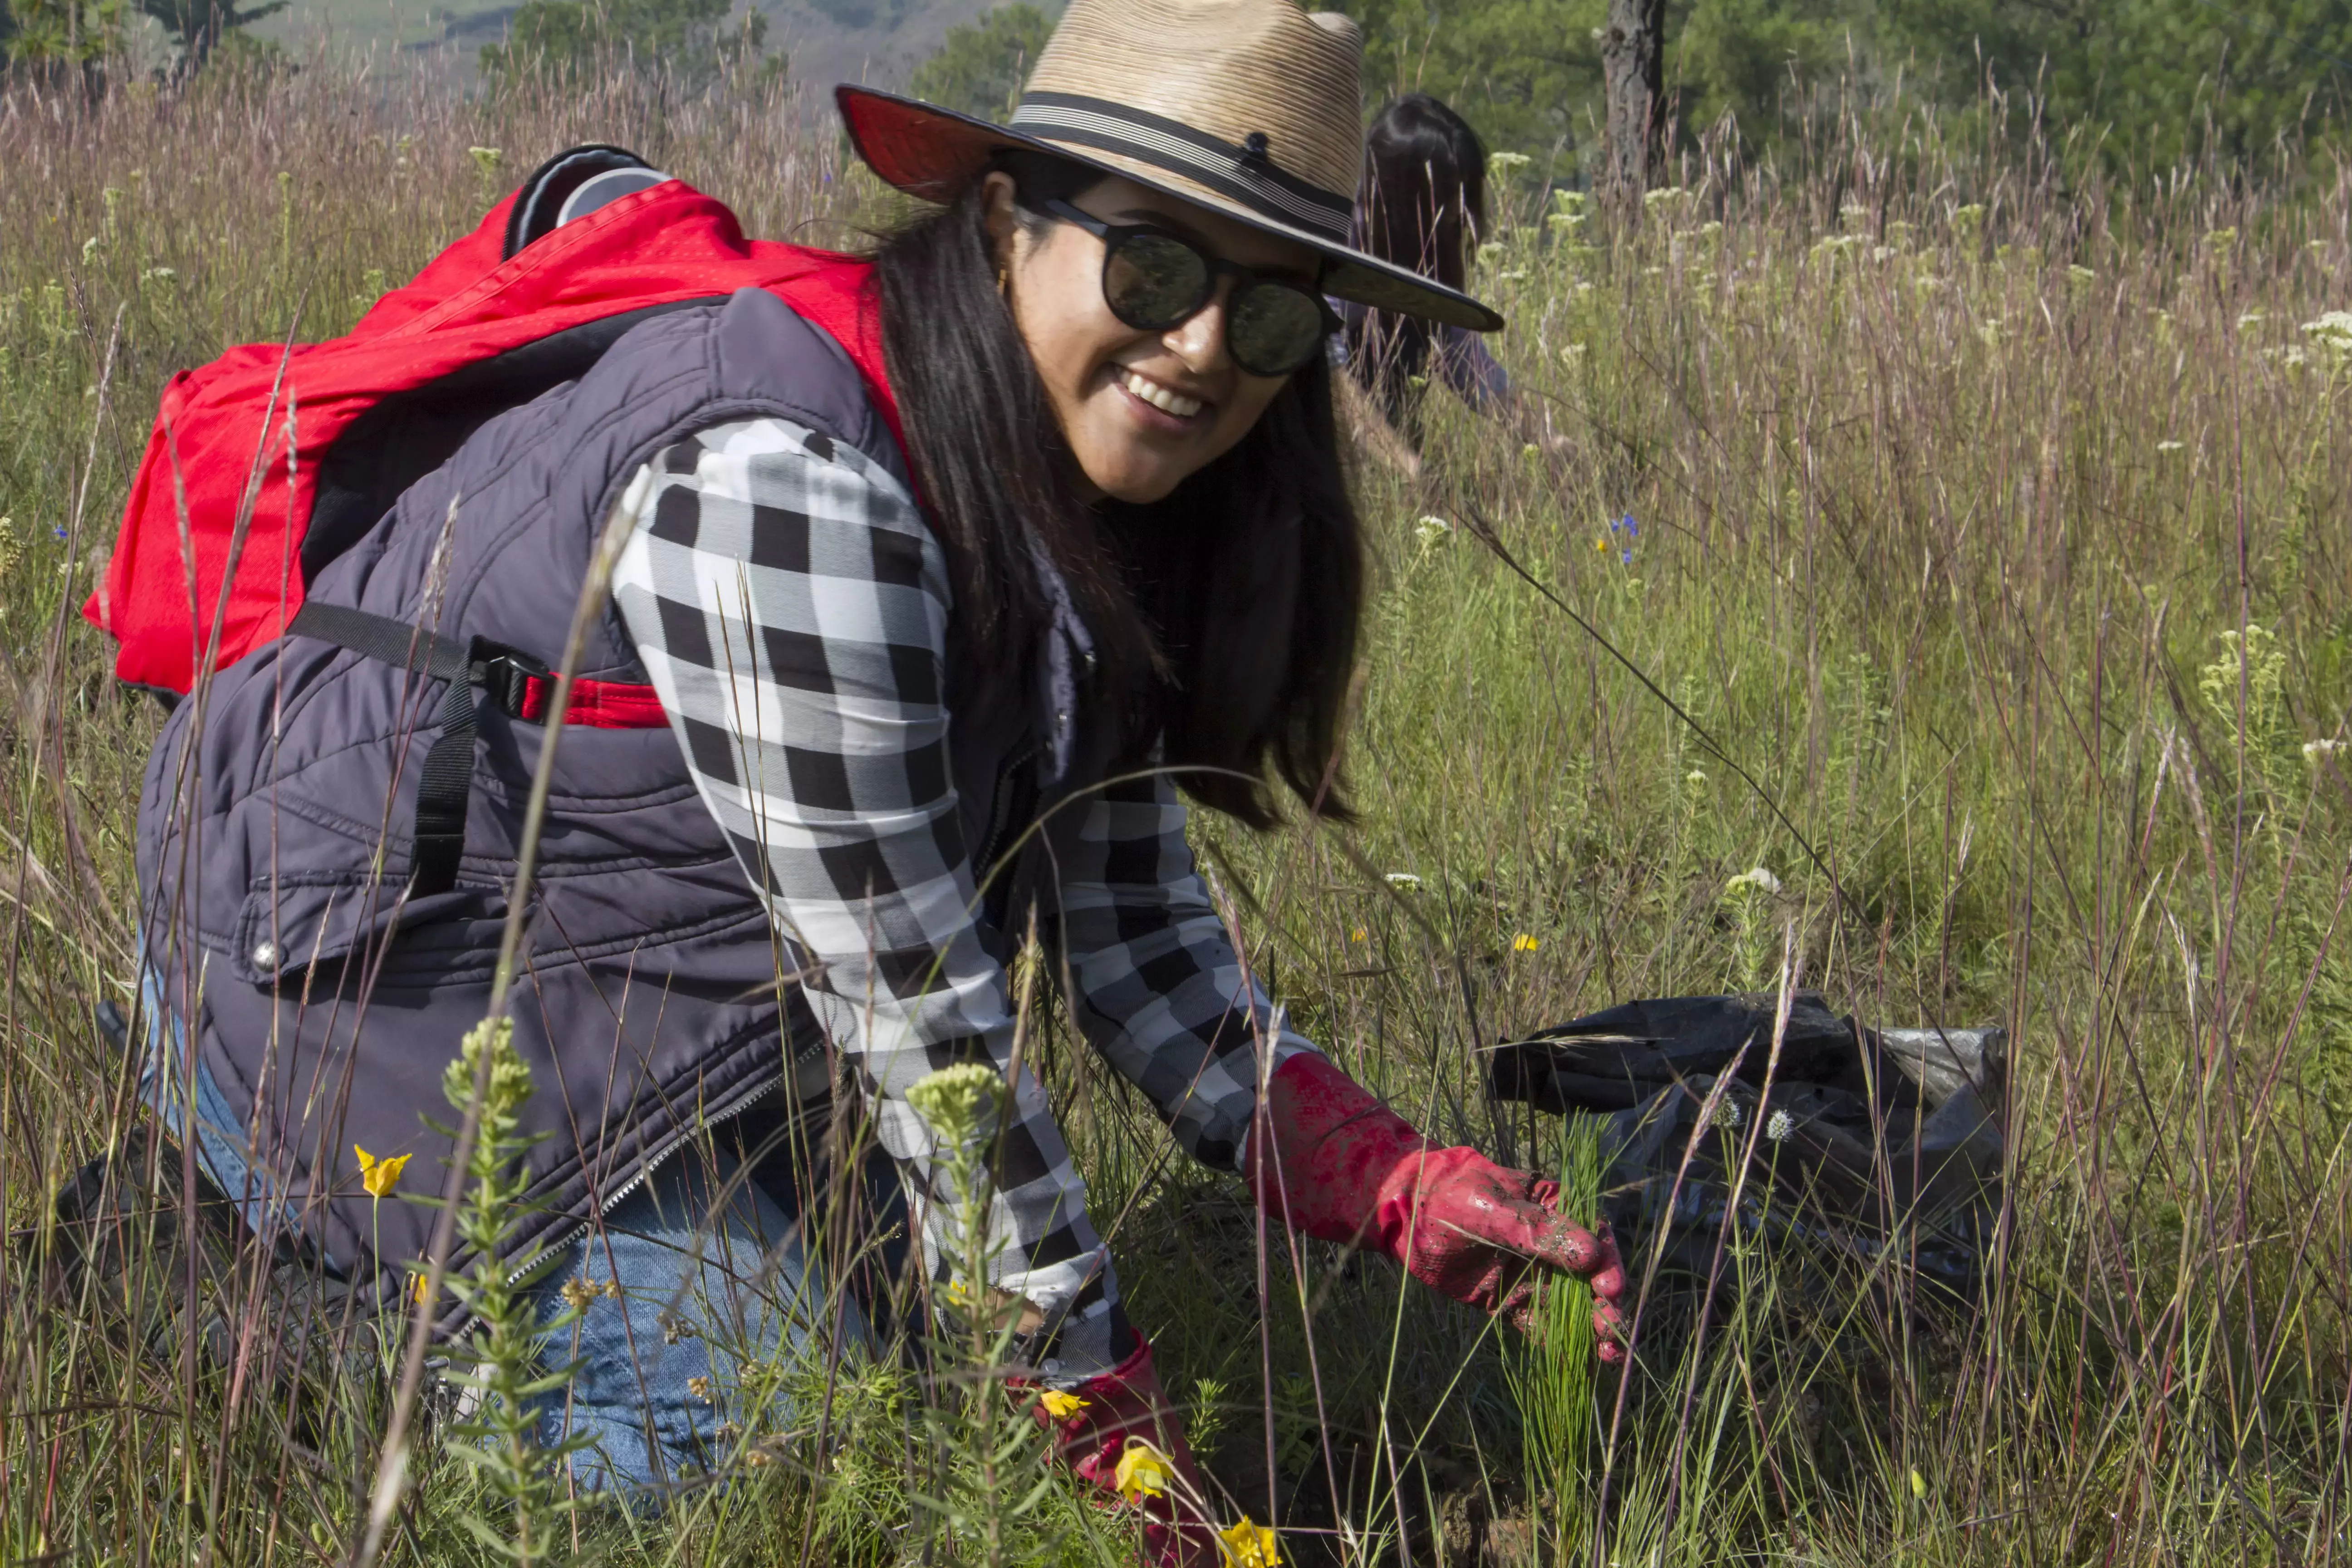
[2158, 79]
[1740, 56]
[1524, 72]
[199, 26]
[2153, 81]
[979, 68]
[65, 39]
[696, 39]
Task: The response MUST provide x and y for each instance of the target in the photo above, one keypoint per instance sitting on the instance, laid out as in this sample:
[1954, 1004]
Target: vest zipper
[550, 1249]
[995, 901]
[1000, 821]
[613, 1200]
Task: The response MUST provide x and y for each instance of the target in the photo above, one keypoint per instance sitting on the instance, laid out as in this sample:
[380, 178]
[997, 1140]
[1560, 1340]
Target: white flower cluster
[2332, 334]
[961, 1102]
[1756, 878]
[1430, 530]
[1404, 881]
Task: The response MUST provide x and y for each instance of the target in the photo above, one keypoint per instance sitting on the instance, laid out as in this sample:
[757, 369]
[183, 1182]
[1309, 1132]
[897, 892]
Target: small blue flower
[59, 533]
[1626, 556]
[1633, 529]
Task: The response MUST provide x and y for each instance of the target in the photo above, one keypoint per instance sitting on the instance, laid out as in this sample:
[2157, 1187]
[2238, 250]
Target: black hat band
[1241, 174]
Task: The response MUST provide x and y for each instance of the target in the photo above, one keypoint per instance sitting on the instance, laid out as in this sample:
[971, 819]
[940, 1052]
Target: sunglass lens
[1275, 328]
[1152, 281]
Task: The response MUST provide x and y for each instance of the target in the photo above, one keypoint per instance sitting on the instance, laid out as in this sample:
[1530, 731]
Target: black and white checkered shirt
[791, 607]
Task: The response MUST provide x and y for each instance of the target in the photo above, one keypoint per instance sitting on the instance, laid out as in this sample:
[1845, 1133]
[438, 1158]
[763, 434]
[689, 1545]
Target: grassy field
[1991, 517]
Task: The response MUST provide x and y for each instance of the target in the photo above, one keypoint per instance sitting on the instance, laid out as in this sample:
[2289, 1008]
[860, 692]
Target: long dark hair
[1224, 617]
[1423, 200]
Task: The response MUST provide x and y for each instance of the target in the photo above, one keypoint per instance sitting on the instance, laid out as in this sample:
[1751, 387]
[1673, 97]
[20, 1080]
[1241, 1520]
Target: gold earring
[1001, 292]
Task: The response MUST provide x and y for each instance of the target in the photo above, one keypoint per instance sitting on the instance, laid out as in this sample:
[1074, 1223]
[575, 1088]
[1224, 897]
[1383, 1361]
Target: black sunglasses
[1153, 281]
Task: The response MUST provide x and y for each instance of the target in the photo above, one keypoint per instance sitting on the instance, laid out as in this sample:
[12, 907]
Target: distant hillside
[879, 42]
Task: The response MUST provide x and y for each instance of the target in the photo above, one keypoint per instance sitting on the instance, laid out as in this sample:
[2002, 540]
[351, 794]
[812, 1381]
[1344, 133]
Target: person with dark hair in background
[1422, 206]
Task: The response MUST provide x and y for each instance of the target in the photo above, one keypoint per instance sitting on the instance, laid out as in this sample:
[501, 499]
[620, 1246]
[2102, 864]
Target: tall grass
[1991, 524]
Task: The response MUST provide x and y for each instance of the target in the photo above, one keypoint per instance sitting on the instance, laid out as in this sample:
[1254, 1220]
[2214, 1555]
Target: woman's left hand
[1486, 1235]
[1350, 1170]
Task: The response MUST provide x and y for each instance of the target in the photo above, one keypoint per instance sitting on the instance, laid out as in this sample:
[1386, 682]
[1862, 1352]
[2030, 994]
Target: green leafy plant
[991, 1457]
[502, 1361]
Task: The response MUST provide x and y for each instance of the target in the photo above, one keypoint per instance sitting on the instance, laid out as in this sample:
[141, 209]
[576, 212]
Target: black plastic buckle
[506, 676]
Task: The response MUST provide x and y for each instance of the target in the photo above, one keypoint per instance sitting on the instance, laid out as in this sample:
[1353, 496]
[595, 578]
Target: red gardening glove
[1122, 1409]
[1353, 1171]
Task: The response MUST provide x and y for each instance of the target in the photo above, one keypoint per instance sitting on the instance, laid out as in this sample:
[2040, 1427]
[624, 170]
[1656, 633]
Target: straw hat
[1250, 108]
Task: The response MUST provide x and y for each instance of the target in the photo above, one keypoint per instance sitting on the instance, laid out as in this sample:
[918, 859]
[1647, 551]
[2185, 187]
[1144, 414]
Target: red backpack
[268, 463]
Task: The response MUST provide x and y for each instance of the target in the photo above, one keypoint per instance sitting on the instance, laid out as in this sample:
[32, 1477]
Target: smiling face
[1141, 410]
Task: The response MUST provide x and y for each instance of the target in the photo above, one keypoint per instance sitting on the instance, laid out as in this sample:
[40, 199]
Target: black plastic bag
[1868, 1137]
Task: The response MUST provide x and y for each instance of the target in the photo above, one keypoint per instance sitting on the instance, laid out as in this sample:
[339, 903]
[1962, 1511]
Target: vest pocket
[301, 920]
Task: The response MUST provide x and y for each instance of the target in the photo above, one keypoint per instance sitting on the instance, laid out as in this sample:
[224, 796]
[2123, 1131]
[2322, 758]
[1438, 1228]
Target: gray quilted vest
[275, 827]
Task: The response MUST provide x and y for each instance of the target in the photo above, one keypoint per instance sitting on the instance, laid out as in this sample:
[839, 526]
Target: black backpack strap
[443, 789]
[383, 639]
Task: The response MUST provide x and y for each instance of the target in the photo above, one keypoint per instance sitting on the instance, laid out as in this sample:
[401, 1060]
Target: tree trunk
[1632, 71]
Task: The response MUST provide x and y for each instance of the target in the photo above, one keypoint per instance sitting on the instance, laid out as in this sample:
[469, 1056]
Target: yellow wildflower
[1061, 1406]
[1523, 943]
[1143, 1471]
[417, 1288]
[379, 1177]
[1360, 934]
[1248, 1545]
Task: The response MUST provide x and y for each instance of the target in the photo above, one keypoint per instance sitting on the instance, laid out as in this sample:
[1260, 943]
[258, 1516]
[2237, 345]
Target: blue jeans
[725, 1305]
[720, 1298]
[222, 1153]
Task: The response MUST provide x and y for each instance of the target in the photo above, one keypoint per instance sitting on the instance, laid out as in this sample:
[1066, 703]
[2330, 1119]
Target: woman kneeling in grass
[942, 651]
